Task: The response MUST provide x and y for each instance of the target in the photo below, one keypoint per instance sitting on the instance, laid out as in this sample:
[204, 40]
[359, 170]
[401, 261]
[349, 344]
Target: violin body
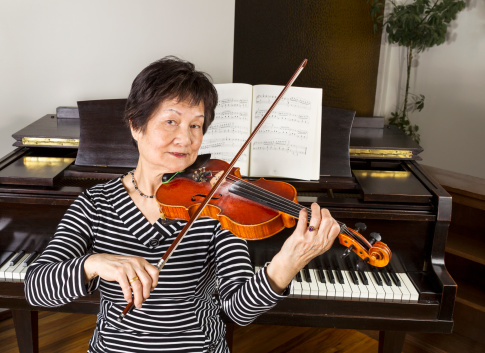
[245, 218]
[251, 210]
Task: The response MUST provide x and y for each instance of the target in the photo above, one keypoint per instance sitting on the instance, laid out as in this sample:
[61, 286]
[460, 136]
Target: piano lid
[49, 131]
[386, 142]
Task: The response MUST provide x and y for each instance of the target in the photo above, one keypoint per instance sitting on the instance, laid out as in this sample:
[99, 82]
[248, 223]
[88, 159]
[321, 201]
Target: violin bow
[221, 179]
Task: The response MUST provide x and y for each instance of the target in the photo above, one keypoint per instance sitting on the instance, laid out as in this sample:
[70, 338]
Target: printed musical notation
[231, 126]
[280, 146]
[287, 145]
[283, 117]
[290, 133]
[232, 103]
[285, 102]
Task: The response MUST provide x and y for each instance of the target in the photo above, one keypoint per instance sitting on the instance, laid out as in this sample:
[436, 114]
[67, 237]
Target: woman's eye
[171, 122]
[196, 126]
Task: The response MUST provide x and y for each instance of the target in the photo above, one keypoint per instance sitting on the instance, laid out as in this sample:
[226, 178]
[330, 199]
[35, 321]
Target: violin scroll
[374, 252]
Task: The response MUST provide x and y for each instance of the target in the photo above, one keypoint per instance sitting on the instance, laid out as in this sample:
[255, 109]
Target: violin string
[280, 203]
[274, 200]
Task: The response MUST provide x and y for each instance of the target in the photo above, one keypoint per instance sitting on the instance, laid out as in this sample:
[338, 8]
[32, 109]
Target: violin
[251, 210]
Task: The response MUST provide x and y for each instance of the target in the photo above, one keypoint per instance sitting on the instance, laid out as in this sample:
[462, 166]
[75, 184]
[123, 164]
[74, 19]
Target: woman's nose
[183, 136]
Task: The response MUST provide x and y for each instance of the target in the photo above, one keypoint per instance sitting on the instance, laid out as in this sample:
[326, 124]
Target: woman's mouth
[178, 155]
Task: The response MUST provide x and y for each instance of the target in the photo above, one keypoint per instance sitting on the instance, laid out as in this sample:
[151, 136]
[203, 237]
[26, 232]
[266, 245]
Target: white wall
[452, 77]
[56, 52]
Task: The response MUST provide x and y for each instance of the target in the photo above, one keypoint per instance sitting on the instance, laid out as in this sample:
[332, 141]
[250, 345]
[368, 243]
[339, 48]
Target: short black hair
[166, 79]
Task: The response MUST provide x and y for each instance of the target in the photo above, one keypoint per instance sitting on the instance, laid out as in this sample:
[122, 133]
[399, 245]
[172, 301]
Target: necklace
[136, 187]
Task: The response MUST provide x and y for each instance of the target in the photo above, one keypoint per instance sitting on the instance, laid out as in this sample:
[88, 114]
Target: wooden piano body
[377, 181]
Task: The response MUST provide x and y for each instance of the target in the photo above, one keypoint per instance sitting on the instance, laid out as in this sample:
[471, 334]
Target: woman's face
[172, 138]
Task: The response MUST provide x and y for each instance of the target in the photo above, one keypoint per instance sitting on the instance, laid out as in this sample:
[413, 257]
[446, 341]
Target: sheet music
[231, 126]
[288, 143]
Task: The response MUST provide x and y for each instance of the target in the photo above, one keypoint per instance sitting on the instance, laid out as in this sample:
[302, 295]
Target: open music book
[288, 143]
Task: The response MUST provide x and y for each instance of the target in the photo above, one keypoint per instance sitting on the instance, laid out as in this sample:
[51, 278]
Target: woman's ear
[135, 133]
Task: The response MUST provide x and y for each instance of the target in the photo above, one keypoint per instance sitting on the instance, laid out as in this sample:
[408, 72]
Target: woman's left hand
[306, 243]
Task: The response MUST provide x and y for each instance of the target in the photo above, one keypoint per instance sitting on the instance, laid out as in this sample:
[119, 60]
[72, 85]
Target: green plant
[416, 25]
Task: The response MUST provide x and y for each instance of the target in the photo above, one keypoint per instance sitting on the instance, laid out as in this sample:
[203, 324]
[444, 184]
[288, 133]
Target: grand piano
[370, 180]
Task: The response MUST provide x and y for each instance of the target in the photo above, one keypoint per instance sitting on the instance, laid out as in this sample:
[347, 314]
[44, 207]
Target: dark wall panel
[272, 37]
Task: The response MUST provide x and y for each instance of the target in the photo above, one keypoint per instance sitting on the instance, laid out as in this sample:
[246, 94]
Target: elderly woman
[112, 236]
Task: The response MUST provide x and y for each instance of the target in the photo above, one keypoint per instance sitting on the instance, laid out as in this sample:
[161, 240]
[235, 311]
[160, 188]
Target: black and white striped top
[182, 313]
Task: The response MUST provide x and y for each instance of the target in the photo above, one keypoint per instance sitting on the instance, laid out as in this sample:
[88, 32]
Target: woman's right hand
[122, 269]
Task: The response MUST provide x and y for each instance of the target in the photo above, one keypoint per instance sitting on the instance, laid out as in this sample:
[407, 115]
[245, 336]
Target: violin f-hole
[202, 195]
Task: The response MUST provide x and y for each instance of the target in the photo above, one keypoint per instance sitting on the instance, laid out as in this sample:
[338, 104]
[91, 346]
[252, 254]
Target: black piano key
[334, 266]
[363, 278]
[306, 273]
[386, 277]
[327, 268]
[339, 275]
[17, 258]
[5, 257]
[32, 256]
[352, 274]
[360, 274]
[378, 278]
[298, 277]
[394, 278]
[321, 275]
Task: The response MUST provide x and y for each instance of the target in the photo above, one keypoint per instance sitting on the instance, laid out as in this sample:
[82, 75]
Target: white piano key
[405, 293]
[364, 291]
[4, 267]
[331, 290]
[16, 272]
[305, 286]
[389, 294]
[397, 294]
[414, 295]
[322, 287]
[370, 287]
[8, 273]
[32, 257]
[296, 290]
[339, 290]
[315, 286]
[363, 288]
[20, 275]
[355, 291]
[346, 286]
[380, 293]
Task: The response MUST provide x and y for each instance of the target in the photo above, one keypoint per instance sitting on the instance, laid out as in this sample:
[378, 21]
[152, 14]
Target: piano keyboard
[356, 285]
[371, 285]
[14, 267]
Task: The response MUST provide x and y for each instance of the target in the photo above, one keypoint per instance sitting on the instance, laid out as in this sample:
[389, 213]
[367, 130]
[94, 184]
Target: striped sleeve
[244, 295]
[57, 276]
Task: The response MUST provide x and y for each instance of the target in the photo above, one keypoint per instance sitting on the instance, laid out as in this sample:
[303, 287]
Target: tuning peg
[359, 227]
[361, 264]
[347, 251]
[374, 237]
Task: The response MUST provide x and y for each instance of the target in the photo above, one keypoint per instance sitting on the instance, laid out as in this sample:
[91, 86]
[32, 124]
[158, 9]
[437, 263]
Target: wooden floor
[70, 333]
